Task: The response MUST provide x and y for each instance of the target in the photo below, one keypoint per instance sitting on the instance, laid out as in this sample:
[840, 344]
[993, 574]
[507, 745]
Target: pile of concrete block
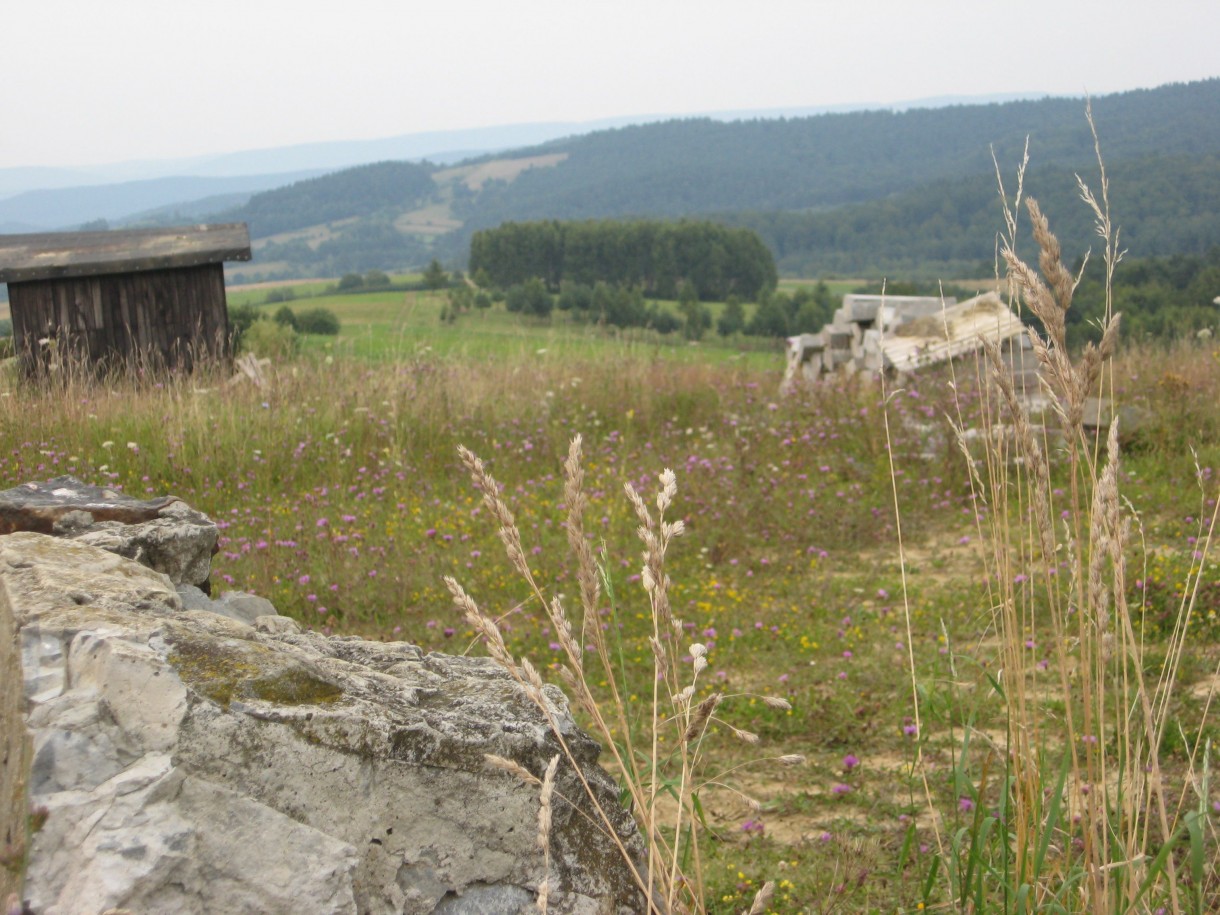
[872, 333]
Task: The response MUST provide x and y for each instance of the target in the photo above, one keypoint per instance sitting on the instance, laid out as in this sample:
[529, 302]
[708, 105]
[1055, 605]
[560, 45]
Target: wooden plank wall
[173, 318]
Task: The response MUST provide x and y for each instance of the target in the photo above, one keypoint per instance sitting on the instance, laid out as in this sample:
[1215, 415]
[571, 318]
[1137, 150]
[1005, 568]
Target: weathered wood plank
[176, 317]
[69, 254]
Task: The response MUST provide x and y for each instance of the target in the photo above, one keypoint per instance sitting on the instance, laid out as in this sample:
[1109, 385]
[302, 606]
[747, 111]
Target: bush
[732, 319]
[270, 339]
[664, 322]
[575, 297]
[351, 281]
[461, 299]
[240, 320]
[696, 319]
[282, 294]
[530, 298]
[318, 321]
[770, 320]
[435, 277]
[285, 315]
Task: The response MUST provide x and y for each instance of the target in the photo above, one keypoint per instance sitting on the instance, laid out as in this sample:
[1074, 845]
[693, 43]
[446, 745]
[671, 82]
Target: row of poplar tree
[657, 258]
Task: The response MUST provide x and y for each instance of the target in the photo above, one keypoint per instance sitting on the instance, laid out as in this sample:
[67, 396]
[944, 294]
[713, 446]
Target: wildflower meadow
[880, 689]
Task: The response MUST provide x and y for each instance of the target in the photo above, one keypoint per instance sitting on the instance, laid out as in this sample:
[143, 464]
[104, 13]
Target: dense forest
[1157, 296]
[384, 187]
[1163, 204]
[656, 257]
[687, 167]
[867, 194]
[367, 244]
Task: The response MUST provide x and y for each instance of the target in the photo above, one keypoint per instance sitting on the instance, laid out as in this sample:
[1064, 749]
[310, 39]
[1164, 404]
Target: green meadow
[392, 325]
[841, 552]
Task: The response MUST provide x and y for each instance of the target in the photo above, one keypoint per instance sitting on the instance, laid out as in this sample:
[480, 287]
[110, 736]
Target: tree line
[1159, 297]
[658, 258]
[1163, 204]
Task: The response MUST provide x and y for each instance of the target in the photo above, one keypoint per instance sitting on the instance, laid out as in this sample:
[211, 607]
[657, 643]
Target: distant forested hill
[702, 166]
[1163, 205]
[865, 193]
[361, 191]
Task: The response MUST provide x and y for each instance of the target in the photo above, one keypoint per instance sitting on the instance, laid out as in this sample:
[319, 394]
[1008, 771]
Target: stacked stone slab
[899, 334]
[850, 342]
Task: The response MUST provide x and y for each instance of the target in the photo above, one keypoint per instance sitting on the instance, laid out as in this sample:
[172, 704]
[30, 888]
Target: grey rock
[277, 625]
[245, 607]
[164, 534]
[237, 605]
[192, 763]
[195, 599]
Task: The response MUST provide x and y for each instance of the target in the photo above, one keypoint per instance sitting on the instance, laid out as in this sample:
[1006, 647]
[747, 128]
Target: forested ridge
[1163, 204]
[365, 190]
[869, 193]
[703, 166]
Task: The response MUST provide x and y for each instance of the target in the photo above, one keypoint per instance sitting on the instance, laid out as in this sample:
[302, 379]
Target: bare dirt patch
[431, 220]
[475, 176]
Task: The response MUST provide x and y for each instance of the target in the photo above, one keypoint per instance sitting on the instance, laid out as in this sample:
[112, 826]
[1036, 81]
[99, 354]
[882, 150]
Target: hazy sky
[87, 82]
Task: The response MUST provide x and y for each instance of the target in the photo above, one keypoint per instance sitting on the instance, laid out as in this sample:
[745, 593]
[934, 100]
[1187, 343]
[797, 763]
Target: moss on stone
[224, 669]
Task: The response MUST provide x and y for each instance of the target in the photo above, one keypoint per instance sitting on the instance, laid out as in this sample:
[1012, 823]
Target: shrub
[696, 319]
[461, 300]
[664, 322]
[285, 315]
[575, 297]
[318, 321]
[240, 320]
[732, 319]
[435, 276]
[530, 298]
[770, 320]
[270, 339]
[351, 281]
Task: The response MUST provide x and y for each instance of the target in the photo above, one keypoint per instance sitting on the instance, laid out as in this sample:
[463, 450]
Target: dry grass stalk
[671, 737]
[1111, 721]
[762, 899]
[544, 831]
[512, 767]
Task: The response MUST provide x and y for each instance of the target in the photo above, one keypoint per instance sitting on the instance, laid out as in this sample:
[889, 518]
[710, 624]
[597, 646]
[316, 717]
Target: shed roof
[54, 255]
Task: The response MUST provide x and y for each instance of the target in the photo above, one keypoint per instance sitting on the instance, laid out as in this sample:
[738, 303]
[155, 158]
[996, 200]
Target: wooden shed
[123, 297]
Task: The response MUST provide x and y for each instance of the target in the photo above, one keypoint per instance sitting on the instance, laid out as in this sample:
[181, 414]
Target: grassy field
[395, 325]
[341, 498]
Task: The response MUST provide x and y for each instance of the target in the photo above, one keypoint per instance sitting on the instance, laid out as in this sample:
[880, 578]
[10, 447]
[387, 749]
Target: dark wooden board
[176, 317]
[58, 255]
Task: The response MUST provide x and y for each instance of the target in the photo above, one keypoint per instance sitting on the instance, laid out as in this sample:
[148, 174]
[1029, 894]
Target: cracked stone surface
[194, 763]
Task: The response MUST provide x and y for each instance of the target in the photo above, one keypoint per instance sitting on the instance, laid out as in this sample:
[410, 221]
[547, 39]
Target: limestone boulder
[189, 762]
[164, 534]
